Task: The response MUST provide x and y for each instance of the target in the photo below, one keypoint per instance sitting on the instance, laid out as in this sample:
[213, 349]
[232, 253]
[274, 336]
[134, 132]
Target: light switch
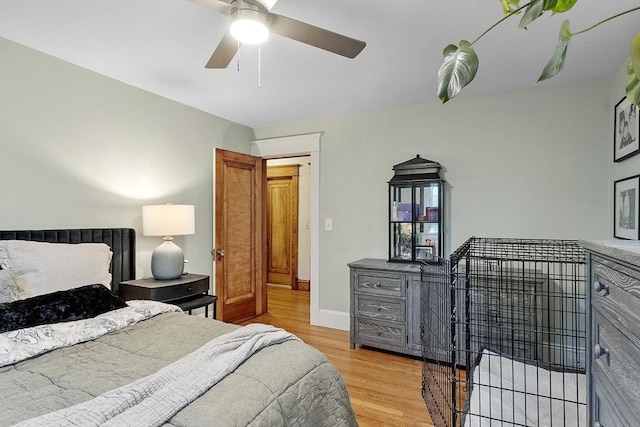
[328, 225]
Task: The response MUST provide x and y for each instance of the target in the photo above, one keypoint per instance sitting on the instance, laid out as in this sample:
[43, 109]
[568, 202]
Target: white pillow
[41, 268]
[8, 286]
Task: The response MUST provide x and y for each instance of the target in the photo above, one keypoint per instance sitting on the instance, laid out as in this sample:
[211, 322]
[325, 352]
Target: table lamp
[167, 260]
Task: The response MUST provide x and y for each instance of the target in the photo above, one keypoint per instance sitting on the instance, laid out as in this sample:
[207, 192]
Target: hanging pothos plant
[461, 62]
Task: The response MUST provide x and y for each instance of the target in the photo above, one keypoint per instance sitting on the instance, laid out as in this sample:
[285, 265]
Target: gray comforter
[282, 385]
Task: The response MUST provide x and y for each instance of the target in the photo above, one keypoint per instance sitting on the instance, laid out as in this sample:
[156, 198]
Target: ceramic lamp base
[167, 261]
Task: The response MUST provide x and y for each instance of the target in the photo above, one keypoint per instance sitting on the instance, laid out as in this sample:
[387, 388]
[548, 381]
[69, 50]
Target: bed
[161, 368]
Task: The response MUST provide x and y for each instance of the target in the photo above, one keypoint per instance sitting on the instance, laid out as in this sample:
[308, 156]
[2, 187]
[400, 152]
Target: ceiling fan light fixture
[249, 26]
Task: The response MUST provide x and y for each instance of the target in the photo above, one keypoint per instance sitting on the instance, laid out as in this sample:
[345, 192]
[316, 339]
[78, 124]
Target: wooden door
[282, 225]
[240, 236]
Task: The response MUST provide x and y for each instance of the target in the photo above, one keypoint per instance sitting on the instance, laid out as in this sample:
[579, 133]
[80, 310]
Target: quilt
[285, 384]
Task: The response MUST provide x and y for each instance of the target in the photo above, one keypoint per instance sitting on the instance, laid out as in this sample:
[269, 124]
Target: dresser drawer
[380, 283]
[379, 332]
[603, 410]
[618, 366]
[619, 301]
[392, 309]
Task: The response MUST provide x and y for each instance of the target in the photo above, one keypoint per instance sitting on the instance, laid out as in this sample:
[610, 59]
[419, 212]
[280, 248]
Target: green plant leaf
[531, 13]
[633, 85]
[635, 55]
[458, 69]
[562, 6]
[556, 63]
[509, 6]
[549, 4]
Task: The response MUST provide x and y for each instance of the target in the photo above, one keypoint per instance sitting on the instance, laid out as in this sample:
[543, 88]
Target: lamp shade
[168, 220]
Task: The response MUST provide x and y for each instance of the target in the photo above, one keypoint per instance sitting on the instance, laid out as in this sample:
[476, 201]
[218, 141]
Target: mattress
[507, 392]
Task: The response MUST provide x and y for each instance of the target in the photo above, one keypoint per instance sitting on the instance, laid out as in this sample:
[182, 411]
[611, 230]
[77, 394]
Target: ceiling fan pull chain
[238, 62]
[259, 66]
[238, 41]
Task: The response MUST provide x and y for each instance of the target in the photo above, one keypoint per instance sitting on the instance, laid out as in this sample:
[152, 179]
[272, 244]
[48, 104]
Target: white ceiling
[162, 46]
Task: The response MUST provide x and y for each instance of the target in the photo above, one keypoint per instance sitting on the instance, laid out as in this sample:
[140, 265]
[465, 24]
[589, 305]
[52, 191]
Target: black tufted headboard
[122, 242]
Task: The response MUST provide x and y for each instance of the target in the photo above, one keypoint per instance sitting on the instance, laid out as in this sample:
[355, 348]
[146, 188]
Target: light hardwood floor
[384, 388]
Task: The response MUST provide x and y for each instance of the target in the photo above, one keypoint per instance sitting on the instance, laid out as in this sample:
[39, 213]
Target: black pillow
[61, 306]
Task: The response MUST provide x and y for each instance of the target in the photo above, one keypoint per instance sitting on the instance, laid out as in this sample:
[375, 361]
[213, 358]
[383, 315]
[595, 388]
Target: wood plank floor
[384, 388]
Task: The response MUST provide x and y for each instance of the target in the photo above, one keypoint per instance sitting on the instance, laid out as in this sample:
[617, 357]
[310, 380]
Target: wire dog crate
[514, 316]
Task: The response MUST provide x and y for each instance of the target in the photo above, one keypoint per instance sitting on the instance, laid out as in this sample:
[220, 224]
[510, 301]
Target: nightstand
[189, 291]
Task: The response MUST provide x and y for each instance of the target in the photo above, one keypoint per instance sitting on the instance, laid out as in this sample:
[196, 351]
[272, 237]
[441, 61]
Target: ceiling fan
[252, 20]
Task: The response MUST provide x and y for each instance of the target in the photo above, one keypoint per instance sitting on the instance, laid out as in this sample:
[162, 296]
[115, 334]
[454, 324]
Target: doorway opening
[288, 222]
[304, 145]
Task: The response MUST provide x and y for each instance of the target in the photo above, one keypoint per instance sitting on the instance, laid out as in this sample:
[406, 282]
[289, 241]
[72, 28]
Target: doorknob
[218, 253]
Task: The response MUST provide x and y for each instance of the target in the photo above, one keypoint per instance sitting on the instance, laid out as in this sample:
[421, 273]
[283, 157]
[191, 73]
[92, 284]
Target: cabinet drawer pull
[379, 308]
[379, 333]
[597, 424]
[598, 351]
[599, 286]
[376, 285]
[189, 289]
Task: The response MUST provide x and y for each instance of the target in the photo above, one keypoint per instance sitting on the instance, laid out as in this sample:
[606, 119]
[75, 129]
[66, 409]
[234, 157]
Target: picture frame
[626, 208]
[424, 253]
[626, 130]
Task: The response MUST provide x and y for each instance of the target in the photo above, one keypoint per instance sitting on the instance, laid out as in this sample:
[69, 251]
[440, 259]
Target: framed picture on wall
[626, 208]
[424, 253]
[626, 130]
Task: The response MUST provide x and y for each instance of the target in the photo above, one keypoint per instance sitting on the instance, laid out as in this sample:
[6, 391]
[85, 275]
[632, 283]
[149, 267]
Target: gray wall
[531, 163]
[78, 149]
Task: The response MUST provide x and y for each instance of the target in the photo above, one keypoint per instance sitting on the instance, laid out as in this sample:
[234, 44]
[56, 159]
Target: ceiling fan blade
[224, 53]
[218, 5]
[315, 36]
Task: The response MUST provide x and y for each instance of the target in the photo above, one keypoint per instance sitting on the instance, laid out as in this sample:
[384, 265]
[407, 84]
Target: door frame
[306, 145]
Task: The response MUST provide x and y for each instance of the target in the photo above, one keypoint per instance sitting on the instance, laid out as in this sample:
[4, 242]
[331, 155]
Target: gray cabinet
[613, 364]
[390, 300]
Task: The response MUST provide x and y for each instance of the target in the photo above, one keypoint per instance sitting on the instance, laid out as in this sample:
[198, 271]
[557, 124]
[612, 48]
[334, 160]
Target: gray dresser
[613, 366]
[391, 302]
[385, 305]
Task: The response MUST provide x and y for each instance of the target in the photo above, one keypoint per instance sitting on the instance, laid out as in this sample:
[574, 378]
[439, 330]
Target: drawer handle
[597, 424]
[189, 289]
[598, 351]
[379, 333]
[379, 308]
[599, 286]
[376, 285]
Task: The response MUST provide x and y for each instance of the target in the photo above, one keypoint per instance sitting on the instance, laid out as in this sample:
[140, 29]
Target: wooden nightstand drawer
[170, 293]
[380, 283]
[380, 308]
[165, 290]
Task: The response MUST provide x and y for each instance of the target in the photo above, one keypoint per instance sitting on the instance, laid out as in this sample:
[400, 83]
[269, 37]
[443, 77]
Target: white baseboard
[330, 319]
